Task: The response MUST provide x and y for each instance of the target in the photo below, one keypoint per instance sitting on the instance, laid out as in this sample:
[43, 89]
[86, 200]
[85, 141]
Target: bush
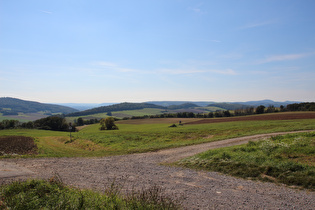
[108, 124]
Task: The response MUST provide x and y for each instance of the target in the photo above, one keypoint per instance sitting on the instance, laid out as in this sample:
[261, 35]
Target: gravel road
[197, 189]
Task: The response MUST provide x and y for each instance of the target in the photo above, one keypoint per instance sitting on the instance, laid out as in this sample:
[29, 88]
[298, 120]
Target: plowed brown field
[274, 116]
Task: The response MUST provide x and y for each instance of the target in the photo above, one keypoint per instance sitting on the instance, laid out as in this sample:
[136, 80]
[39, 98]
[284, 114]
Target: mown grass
[53, 194]
[287, 159]
[133, 138]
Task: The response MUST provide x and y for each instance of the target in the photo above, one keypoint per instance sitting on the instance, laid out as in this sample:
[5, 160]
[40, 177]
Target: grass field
[136, 136]
[288, 159]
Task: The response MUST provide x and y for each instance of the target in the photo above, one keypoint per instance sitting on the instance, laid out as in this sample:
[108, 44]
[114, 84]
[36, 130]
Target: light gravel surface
[197, 189]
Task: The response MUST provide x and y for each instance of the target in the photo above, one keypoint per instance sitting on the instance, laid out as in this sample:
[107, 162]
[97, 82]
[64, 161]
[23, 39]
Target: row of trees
[309, 106]
[218, 113]
[55, 123]
[80, 121]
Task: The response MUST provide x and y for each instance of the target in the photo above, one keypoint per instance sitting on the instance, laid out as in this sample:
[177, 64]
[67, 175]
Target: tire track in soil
[197, 189]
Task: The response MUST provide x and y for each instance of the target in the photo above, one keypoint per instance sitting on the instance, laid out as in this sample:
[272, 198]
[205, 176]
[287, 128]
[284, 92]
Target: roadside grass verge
[53, 194]
[135, 138]
[287, 159]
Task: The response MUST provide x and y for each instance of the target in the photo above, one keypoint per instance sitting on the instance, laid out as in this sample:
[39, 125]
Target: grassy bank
[288, 159]
[53, 194]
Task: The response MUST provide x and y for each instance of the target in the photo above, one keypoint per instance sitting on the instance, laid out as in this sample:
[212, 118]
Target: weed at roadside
[53, 194]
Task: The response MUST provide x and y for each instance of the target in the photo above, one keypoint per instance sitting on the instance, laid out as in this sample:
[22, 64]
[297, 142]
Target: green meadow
[287, 159]
[139, 136]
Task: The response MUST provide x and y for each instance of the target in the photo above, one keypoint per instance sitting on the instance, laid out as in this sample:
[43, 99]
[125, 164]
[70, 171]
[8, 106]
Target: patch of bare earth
[158, 120]
[277, 116]
[197, 189]
[19, 145]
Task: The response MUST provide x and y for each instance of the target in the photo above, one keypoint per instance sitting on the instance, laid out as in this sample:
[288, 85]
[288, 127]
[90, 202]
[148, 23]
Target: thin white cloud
[113, 66]
[233, 56]
[105, 64]
[166, 71]
[258, 24]
[180, 71]
[197, 9]
[46, 12]
[285, 57]
[196, 71]
[225, 72]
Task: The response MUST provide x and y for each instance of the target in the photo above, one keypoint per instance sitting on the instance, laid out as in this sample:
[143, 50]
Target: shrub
[108, 124]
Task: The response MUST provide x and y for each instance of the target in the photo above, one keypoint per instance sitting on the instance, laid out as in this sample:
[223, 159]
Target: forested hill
[229, 106]
[183, 106]
[115, 108]
[11, 106]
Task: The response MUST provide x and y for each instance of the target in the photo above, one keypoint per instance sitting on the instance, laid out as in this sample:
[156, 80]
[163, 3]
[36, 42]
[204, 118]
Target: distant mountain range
[265, 103]
[231, 105]
[84, 106]
[177, 106]
[14, 106]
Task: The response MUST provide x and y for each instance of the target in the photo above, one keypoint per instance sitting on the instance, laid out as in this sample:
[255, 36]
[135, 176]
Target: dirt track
[198, 189]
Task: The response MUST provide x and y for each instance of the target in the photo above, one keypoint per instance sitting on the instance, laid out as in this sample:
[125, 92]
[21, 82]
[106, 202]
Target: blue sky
[59, 51]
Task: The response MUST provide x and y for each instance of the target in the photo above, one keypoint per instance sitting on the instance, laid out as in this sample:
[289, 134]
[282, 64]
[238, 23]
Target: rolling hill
[114, 108]
[14, 106]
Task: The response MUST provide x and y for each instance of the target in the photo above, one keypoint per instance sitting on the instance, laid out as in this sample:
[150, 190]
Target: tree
[80, 121]
[271, 109]
[226, 113]
[260, 109]
[55, 123]
[108, 124]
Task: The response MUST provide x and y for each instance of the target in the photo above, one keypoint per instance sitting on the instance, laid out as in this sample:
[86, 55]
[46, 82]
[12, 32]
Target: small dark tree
[108, 124]
[210, 115]
[226, 113]
[260, 109]
[80, 121]
[271, 109]
[218, 113]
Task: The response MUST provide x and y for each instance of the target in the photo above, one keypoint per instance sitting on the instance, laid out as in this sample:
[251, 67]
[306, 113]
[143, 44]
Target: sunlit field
[136, 136]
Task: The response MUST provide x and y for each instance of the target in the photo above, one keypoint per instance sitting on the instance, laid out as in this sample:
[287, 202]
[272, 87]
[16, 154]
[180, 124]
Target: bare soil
[273, 116]
[197, 189]
[20, 145]
[278, 116]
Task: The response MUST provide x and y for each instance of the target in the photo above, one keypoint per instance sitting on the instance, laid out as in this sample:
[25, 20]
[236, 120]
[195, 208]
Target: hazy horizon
[98, 103]
[160, 50]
